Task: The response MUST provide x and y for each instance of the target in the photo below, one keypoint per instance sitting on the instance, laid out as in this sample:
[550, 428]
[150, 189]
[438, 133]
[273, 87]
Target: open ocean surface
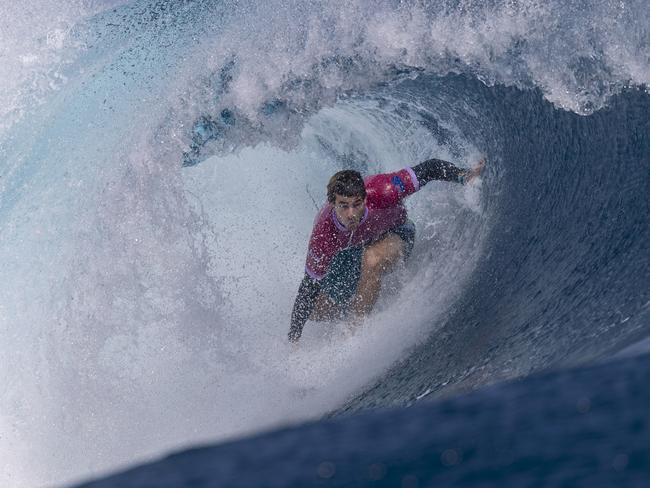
[160, 162]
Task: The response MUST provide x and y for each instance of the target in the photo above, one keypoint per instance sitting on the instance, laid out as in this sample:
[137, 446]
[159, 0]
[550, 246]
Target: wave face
[564, 277]
[160, 163]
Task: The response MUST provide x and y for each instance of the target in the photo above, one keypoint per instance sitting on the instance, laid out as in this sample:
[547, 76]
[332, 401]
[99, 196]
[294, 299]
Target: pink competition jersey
[384, 211]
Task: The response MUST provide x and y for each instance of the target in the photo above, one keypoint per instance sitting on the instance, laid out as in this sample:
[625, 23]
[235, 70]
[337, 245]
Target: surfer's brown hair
[346, 183]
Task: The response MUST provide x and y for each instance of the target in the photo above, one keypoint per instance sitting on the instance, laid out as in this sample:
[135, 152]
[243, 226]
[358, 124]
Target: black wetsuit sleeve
[302, 308]
[437, 169]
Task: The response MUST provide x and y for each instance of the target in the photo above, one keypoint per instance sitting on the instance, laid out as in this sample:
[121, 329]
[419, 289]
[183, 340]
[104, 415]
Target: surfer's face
[349, 210]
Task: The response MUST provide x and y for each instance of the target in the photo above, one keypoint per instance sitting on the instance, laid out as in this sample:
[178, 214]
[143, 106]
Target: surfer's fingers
[478, 169]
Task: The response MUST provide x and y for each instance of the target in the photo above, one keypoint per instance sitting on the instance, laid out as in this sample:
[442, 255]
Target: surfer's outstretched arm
[437, 169]
[303, 306]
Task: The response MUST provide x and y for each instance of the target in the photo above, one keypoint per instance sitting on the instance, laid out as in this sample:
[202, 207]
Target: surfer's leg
[378, 259]
[338, 286]
[325, 309]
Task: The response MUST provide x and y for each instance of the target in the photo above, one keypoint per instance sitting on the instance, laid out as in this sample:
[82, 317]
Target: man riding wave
[360, 235]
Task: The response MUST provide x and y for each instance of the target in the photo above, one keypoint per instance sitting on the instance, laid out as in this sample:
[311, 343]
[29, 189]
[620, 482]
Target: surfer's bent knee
[383, 254]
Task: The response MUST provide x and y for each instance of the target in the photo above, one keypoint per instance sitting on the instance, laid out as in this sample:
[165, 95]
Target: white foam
[311, 55]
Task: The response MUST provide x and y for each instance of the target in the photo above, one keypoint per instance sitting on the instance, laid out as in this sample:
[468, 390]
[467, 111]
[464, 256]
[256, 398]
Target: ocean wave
[160, 164]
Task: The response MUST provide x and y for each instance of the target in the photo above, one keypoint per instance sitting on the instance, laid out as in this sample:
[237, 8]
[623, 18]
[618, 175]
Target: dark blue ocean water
[584, 428]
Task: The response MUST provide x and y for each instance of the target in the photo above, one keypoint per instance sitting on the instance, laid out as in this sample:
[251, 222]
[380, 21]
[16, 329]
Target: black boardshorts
[340, 282]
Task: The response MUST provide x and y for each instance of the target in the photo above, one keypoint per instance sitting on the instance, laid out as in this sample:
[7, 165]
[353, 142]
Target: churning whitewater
[160, 167]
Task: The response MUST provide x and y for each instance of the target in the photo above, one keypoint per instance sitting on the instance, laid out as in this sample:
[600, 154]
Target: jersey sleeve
[388, 189]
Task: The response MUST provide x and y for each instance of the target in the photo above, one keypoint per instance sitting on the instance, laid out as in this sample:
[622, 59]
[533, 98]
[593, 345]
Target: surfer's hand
[476, 171]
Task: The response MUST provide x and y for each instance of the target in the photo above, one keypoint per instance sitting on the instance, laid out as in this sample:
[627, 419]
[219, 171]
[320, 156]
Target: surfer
[360, 235]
